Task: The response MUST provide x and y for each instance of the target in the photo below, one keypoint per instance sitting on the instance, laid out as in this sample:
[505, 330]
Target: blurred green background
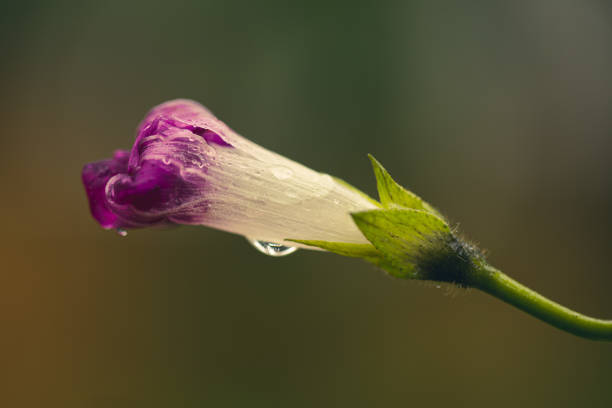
[498, 113]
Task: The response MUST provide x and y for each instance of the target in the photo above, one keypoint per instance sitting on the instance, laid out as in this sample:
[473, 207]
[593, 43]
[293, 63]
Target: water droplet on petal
[272, 248]
[122, 232]
[198, 163]
[208, 151]
[281, 173]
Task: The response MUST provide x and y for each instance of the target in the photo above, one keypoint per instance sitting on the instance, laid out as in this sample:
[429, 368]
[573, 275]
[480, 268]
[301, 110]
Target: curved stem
[496, 283]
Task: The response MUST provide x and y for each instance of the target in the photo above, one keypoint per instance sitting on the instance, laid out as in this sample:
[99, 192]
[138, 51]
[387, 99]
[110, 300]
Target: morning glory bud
[188, 167]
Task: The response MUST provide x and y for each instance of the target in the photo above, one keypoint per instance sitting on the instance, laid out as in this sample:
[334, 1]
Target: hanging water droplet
[122, 232]
[272, 248]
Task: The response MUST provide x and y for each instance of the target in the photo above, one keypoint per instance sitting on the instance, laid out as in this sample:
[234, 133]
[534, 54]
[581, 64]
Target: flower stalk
[494, 282]
[188, 167]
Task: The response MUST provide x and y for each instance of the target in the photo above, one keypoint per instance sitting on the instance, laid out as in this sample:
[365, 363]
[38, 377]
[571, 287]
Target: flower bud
[187, 167]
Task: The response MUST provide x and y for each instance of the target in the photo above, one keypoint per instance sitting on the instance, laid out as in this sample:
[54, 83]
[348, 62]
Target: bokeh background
[499, 113]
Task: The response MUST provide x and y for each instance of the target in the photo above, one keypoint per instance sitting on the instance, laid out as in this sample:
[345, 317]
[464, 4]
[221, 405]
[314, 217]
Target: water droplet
[122, 232]
[208, 151]
[325, 185]
[197, 163]
[281, 173]
[272, 248]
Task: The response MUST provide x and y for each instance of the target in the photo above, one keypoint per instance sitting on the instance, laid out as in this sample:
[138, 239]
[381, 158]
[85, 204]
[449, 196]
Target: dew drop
[272, 248]
[281, 173]
[208, 151]
[122, 232]
[198, 163]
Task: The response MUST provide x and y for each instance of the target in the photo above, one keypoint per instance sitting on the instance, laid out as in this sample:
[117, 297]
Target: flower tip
[95, 177]
[188, 115]
[161, 179]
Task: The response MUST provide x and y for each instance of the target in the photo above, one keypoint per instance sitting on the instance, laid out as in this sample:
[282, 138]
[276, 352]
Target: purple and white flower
[188, 167]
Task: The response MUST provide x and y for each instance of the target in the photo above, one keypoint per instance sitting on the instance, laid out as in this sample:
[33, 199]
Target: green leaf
[392, 195]
[402, 236]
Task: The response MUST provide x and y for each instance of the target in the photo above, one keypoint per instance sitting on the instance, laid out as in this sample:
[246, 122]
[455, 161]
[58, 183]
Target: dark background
[498, 113]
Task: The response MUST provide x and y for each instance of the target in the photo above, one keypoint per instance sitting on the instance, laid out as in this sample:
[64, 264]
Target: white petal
[262, 195]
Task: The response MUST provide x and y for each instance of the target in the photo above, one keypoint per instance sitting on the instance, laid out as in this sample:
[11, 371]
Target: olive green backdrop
[498, 113]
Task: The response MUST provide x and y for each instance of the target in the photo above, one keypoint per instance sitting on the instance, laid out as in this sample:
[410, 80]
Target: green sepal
[405, 237]
[341, 248]
[393, 195]
[365, 251]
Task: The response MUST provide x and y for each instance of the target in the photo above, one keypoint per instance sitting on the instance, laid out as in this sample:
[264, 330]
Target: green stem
[495, 283]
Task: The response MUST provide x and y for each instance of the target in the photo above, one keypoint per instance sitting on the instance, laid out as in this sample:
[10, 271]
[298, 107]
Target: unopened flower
[187, 167]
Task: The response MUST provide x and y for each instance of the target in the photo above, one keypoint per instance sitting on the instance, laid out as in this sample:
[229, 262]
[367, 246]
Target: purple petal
[95, 176]
[163, 178]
